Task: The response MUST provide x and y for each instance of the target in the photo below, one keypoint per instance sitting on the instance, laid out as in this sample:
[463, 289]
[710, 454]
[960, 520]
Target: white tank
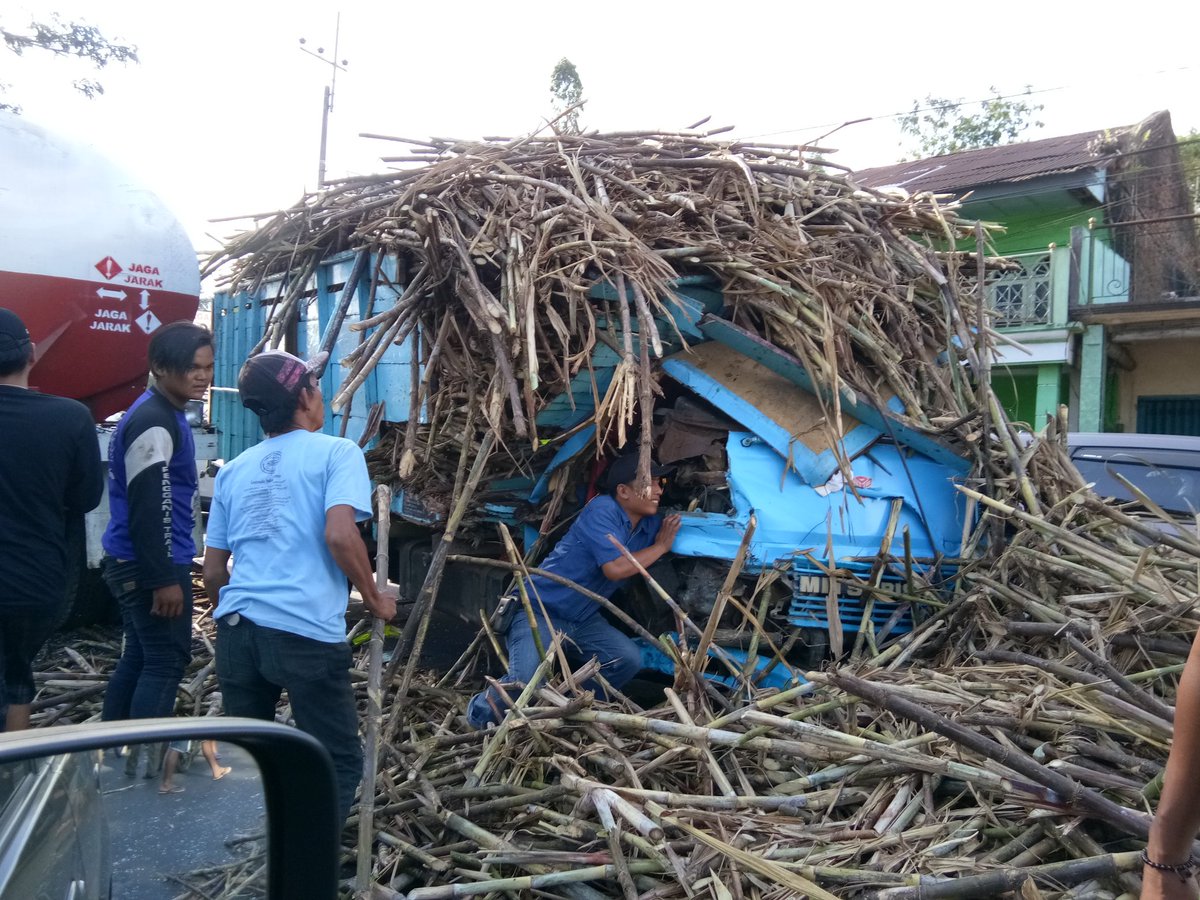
[93, 263]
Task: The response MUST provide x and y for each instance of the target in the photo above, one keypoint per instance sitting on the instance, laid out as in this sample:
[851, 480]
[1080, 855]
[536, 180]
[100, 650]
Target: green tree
[566, 89]
[938, 125]
[75, 39]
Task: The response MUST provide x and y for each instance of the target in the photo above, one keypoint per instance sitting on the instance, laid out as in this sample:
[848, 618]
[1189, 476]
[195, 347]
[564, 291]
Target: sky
[222, 115]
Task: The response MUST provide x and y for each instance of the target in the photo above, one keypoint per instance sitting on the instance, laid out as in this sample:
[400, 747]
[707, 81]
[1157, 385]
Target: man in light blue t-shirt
[286, 511]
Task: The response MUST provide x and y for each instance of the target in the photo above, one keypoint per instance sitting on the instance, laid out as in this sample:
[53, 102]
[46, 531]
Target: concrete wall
[1162, 367]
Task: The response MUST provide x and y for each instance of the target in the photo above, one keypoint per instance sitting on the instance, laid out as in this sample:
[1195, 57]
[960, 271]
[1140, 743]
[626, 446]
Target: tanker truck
[94, 264]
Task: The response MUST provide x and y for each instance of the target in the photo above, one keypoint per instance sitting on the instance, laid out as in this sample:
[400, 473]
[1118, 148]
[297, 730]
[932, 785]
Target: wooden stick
[366, 800]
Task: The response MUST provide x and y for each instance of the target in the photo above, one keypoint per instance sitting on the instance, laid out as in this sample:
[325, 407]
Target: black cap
[624, 469]
[274, 378]
[14, 336]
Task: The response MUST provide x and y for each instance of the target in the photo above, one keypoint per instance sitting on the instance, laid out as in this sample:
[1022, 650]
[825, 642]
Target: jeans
[157, 649]
[620, 658]
[255, 664]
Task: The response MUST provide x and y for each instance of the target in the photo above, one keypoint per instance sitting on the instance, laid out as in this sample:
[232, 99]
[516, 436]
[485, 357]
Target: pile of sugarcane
[1012, 742]
[511, 260]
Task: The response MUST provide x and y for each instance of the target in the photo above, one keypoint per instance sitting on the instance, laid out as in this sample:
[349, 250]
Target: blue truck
[851, 540]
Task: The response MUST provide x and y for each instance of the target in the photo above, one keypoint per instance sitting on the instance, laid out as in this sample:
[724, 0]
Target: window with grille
[1021, 296]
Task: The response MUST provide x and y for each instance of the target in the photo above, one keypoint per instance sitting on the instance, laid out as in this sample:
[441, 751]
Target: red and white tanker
[94, 264]
[91, 261]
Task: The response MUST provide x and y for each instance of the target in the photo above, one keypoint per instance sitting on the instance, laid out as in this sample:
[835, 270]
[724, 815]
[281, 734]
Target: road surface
[154, 836]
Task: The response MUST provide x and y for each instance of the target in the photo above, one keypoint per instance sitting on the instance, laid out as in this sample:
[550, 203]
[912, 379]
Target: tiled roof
[991, 165]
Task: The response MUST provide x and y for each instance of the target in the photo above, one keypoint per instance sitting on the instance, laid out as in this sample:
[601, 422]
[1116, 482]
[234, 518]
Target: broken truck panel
[572, 407]
[572, 447]
[798, 524]
[766, 442]
[786, 365]
[789, 419]
[794, 518]
[692, 298]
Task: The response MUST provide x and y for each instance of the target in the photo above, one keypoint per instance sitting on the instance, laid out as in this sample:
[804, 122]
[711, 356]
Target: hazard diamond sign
[109, 268]
[148, 321]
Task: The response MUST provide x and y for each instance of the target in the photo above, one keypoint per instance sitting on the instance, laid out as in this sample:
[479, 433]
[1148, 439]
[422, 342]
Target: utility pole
[330, 89]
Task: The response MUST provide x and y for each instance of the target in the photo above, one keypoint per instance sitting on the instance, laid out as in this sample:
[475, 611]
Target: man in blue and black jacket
[148, 543]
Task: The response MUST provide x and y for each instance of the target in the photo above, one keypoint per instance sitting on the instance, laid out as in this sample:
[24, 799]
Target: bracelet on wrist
[1184, 870]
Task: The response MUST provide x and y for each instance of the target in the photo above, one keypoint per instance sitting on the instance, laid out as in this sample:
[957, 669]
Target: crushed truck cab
[861, 534]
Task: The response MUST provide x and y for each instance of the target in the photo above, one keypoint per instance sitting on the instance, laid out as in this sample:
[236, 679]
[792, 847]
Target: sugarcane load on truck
[506, 318]
[725, 306]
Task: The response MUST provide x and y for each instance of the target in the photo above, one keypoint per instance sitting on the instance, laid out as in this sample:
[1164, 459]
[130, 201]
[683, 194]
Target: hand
[667, 531]
[1158, 885]
[168, 601]
[383, 606]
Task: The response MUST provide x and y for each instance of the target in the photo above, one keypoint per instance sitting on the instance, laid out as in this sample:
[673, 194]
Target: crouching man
[586, 556]
[286, 511]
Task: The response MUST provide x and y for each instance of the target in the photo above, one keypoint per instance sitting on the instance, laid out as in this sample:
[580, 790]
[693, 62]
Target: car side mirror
[294, 771]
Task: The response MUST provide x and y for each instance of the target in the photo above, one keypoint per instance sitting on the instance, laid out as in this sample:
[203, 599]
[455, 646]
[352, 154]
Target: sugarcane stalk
[376, 346]
[1068, 792]
[700, 656]
[417, 626]
[681, 616]
[521, 581]
[749, 861]
[714, 769]
[531, 882]
[497, 738]
[366, 801]
[993, 884]
[1139, 697]
[613, 836]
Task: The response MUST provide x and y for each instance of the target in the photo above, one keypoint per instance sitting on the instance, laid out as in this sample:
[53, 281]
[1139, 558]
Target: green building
[1100, 310]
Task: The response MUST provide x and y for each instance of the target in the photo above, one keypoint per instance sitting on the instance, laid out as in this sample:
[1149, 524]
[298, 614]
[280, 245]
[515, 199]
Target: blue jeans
[255, 664]
[157, 649]
[620, 658]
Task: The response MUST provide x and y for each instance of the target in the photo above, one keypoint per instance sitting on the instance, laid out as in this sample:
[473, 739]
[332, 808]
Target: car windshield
[1174, 488]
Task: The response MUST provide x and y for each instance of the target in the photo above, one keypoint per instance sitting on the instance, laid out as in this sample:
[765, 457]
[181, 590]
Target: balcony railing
[1147, 262]
[1022, 296]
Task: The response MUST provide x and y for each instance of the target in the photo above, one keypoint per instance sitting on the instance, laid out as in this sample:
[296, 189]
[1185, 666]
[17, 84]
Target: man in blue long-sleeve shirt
[148, 542]
[586, 556]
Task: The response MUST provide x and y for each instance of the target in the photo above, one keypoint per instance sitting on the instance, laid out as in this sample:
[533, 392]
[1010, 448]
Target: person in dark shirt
[50, 472]
[585, 555]
[148, 543]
